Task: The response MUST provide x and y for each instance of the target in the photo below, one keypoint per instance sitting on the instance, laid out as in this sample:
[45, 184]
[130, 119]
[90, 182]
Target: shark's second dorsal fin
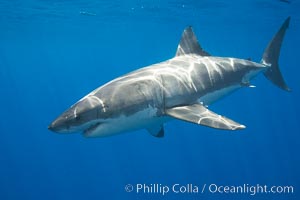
[189, 44]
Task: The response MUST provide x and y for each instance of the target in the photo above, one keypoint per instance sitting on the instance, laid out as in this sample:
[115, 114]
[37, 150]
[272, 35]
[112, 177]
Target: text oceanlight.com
[164, 189]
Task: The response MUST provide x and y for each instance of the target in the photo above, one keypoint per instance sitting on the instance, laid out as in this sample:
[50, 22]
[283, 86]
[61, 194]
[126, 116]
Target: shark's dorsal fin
[157, 130]
[189, 44]
[199, 114]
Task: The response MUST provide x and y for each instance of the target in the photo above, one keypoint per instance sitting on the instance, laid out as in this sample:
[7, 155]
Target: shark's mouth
[90, 129]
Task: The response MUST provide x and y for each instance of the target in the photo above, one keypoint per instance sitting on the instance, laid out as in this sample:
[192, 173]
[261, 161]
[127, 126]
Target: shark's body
[180, 88]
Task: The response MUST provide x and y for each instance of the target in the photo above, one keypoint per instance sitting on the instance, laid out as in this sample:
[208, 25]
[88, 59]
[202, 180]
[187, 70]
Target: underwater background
[53, 52]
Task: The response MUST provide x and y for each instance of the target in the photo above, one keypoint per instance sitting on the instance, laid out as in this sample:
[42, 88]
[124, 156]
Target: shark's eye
[77, 118]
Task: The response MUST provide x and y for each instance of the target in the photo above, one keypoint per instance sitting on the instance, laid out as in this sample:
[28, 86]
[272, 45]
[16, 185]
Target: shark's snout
[51, 127]
[78, 118]
[59, 126]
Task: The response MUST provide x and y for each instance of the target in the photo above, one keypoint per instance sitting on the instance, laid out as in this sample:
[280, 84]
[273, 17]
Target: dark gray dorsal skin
[178, 88]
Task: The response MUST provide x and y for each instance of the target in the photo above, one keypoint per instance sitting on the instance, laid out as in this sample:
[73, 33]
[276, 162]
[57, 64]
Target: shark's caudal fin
[271, 56]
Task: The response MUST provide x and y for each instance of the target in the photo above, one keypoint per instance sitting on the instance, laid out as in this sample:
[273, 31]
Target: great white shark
[181, 88]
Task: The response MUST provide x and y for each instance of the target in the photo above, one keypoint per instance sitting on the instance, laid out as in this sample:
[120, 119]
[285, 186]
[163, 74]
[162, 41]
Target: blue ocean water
[53, 52]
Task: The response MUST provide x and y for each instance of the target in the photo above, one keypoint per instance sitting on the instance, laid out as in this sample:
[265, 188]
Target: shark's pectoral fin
[199, 114]
[157, 131]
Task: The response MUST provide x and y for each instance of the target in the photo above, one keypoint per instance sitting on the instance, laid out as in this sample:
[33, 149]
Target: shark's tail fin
[271, 56]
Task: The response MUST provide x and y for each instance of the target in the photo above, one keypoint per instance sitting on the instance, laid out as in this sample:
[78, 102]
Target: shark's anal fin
[157, 131]
[247, 84]
[189, 44]
[199, 114]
